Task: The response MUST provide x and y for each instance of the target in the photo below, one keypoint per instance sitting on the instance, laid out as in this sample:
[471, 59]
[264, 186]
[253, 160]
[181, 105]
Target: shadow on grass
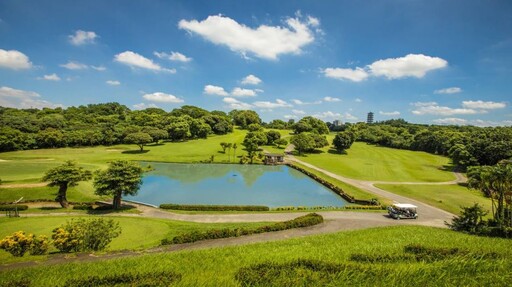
[109, 209]
[50, 208]
[135, 151]
[155, 144]
[449, 167]
[333, 151]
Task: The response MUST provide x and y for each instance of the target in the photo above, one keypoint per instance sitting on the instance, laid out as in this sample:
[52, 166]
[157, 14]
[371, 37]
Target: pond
[228, 184]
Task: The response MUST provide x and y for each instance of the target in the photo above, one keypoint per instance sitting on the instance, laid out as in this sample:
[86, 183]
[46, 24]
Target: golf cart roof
[404, 205]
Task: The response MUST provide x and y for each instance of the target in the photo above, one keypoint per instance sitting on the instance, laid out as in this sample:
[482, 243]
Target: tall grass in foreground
[220, 266]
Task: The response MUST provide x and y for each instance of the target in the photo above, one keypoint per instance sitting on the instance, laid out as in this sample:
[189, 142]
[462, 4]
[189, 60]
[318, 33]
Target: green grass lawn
[447, 197]
[137, 233]
[219, 266]
[370, 162]
[84, 192]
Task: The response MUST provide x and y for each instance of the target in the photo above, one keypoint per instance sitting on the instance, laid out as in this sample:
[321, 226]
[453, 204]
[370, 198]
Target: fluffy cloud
[98, 68]
[236, 104]
[269, 105]
[350, 117]
[424, 104]
[14, 98]
[452, 90]
[72, 65]
[444, 111]
[331, 99]
[52, 77]
[390, 114]
[327, 115]
[14, 60]
[135, 60]
[483, 105]
[299, 112]
[174, 56]
[113, 83]
[267, 42]
[358, 100]
[215, 90]
[162, 98]
[355, 75]
[251, 80]
[290, 117]
[412, 65]
[300, 103]
[143, 106]
[82, 38]
[450, 121]
[240, 92]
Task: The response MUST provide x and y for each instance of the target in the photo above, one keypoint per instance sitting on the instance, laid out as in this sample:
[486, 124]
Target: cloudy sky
[444, 62]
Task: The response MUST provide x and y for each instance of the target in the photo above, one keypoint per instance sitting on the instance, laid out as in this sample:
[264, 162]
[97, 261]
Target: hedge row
[127, 279]
[13, 207]
[214, 207]
[365, 207]
[302, 221]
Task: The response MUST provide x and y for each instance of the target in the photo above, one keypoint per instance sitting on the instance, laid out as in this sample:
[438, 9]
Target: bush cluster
[366, 207]
[214, 207]
[85, 235]
[167, 278]
[12, 207]
[302, 221]
[19, 243]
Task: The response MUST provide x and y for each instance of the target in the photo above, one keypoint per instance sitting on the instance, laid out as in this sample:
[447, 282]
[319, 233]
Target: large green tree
[64, 176]
[342, 141]
[120, 178]
[303, 142]
[139, 138]
[252, 141]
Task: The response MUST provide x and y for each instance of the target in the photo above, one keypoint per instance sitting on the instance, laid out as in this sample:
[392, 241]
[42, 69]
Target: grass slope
[218, 267]
[447, 197]
[369, 162]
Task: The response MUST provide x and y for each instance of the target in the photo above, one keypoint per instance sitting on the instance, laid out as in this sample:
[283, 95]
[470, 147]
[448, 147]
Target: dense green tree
[272, 136]
[120, 178]
[139, 138]
[245, 118]
[278, 125]
[254, 128]
[64, 176]
[199, 129]
[310, 124]
[303, 142]
[156, 133]
[252, 142]
[179, 130]
[281, 142]
[342, 141]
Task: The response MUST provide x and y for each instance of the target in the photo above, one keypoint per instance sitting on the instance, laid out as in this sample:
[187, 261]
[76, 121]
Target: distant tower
[369, 119]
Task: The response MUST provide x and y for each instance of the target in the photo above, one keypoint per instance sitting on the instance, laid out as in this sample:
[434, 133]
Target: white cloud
[483, 105]
[444, 111]
[174, 56]
[299, 112]
[267, 42]
[290, 116]
[135, 60]
[390, 114]
[452, 90]
[162, 98]
[113, 83]
[236, 104]
[52, 77]
[14, 60]
[350, 117]
[355, 75]
[143, 106]
[251, 80]
[358, 100]
[72, 65]
[99, 68]
[215, 90]
[301, 103]
[412, 65]
[240, 92]
[450, 121]
[14, 98]
[313, 21]
[269, 105]
[331, 99]
[327, 115]
[82, 38]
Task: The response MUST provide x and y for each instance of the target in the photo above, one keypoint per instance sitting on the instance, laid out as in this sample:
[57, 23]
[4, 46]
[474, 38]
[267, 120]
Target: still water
[229, 184]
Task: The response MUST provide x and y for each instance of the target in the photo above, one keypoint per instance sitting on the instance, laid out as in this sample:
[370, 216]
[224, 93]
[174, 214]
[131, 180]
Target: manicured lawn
[219, 266]
[84, 192]
[447, 197]
[369, 162]
[137, 233]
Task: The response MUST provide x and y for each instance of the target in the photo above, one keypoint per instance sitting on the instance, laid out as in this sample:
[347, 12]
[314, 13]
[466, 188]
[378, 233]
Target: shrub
[470, 221]
[214, 207]
[83, 206]
[302, 221]
[127, 279]
[85, 235]
[12, 207]
[19, 243]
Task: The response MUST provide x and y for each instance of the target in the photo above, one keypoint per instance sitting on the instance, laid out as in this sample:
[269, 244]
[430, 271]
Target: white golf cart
[403, 211]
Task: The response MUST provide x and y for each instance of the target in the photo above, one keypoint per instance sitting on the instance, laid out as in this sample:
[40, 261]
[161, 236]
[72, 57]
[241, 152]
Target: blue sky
[434, 62]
